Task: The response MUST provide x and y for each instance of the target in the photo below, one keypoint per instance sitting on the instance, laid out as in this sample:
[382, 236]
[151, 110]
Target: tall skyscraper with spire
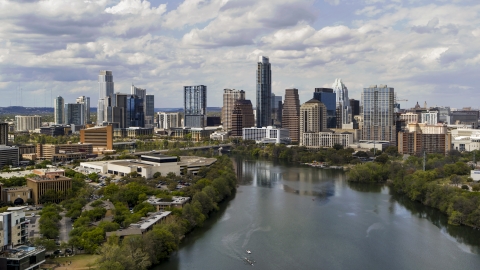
[264, 92]
[105, 89]
[59, 110]
[344, 111]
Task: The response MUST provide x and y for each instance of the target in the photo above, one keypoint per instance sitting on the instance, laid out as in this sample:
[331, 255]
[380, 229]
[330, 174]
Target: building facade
[318, 140]
[85, 101]
[264, 92]
[242, 117]
[291, 114]
[328, 97]
[135, 112]
[74, 114]
[378, 114]
[101, 138]
[277, 107]
[149, 111]
[229, 98]
[195, 106]
[168, 120]
[313, 117]
[267, 135]
[29, 122]
[63, 151]
[59, 115]
[3, 133]
[43, 185]
[9, 155]
[430, 118]
[105, 89]
[343, 110]
[355, 105]
[409, 117]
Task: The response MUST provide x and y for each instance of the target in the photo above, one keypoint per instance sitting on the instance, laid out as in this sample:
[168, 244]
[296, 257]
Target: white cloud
[420, 49]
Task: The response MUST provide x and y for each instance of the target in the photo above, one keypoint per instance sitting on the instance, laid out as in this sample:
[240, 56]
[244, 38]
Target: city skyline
[426, 58]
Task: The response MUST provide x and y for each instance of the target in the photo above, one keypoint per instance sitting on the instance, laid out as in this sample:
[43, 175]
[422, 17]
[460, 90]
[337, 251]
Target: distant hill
[46, 110]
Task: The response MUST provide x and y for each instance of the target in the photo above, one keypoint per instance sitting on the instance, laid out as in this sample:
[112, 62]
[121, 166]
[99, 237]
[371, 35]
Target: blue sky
[426, 50]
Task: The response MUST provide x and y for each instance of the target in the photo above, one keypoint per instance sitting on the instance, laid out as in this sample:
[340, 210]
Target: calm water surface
[297, 217]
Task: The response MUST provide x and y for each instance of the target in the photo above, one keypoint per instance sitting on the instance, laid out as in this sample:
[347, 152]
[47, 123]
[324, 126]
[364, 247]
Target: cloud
[423, 49]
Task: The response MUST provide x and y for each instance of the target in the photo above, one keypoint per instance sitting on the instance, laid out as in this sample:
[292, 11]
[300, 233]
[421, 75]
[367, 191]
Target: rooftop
[39, 178]
[192, 161]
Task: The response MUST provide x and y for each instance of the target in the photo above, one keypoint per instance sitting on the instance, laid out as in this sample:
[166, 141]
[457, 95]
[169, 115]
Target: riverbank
[431, 187]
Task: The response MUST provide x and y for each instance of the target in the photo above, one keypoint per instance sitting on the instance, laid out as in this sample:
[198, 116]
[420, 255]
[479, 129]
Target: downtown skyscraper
[344, 111]
[85, 101]
[264, 92]
[59, 110]
[379, 114]
[105, 89]
[195, 106]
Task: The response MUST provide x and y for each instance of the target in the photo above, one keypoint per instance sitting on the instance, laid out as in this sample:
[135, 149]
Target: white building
[28, 122]
[430, 118]
[466, 139]
[219, 136]
[409, 117]
[475, 175]
[326, 139]
[168, 120]
[267, 135]
[146, 167]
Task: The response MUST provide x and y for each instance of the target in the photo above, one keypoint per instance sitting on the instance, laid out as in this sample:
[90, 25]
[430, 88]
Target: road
[65, 228]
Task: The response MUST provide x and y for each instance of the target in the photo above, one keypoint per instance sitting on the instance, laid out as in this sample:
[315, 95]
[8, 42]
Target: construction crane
[399, 99]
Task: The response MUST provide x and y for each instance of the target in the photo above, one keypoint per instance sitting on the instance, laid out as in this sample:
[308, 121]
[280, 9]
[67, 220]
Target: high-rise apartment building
[135, 113]
[59, 112]
[149, 111]
[28, 122]
[105, 89]
[291, 113]
[328, 98]
[355, 105]
[378, 114]
[3, 133]
[74, 114]
[430, 118]
[229, 98]
[148, 105]
[168, 120]
[343, 111]
[195, 106]
[242, 116]
[277, 105]
[264, 92]
[85, 101]
[313, 118]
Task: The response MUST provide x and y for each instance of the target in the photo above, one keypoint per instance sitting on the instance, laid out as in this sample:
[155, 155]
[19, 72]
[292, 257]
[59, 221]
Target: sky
[428, 50]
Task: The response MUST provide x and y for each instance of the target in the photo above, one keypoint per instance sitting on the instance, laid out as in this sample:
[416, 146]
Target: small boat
[249, 252]
[251, 262]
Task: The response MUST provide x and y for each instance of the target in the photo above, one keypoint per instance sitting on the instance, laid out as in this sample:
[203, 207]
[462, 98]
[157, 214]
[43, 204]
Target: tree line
[437, 186]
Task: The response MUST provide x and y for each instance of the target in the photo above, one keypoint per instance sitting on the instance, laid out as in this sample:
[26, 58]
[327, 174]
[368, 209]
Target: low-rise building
[219, 136]
[15, 195]
[193, 163]
[13, 234]
[142, 226]
[267, 135]
[161, 204]
[318, 140]
[64, 151]
[132, 132]
[43, 185]
[100, 137]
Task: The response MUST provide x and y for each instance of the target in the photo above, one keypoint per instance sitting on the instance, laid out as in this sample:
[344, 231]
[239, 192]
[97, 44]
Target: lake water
[298, 217]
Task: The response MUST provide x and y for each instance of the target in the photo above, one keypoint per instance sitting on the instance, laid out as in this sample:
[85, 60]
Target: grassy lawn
[83, 261]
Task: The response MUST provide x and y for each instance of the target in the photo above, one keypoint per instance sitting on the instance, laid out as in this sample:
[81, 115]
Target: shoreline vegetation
[444, 185]
[211, 186]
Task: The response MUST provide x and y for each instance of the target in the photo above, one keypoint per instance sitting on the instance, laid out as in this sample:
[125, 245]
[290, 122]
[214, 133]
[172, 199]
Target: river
[298, 217]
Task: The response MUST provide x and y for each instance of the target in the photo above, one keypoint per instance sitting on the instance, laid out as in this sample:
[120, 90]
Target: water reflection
[461, 234]
[362, 187]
